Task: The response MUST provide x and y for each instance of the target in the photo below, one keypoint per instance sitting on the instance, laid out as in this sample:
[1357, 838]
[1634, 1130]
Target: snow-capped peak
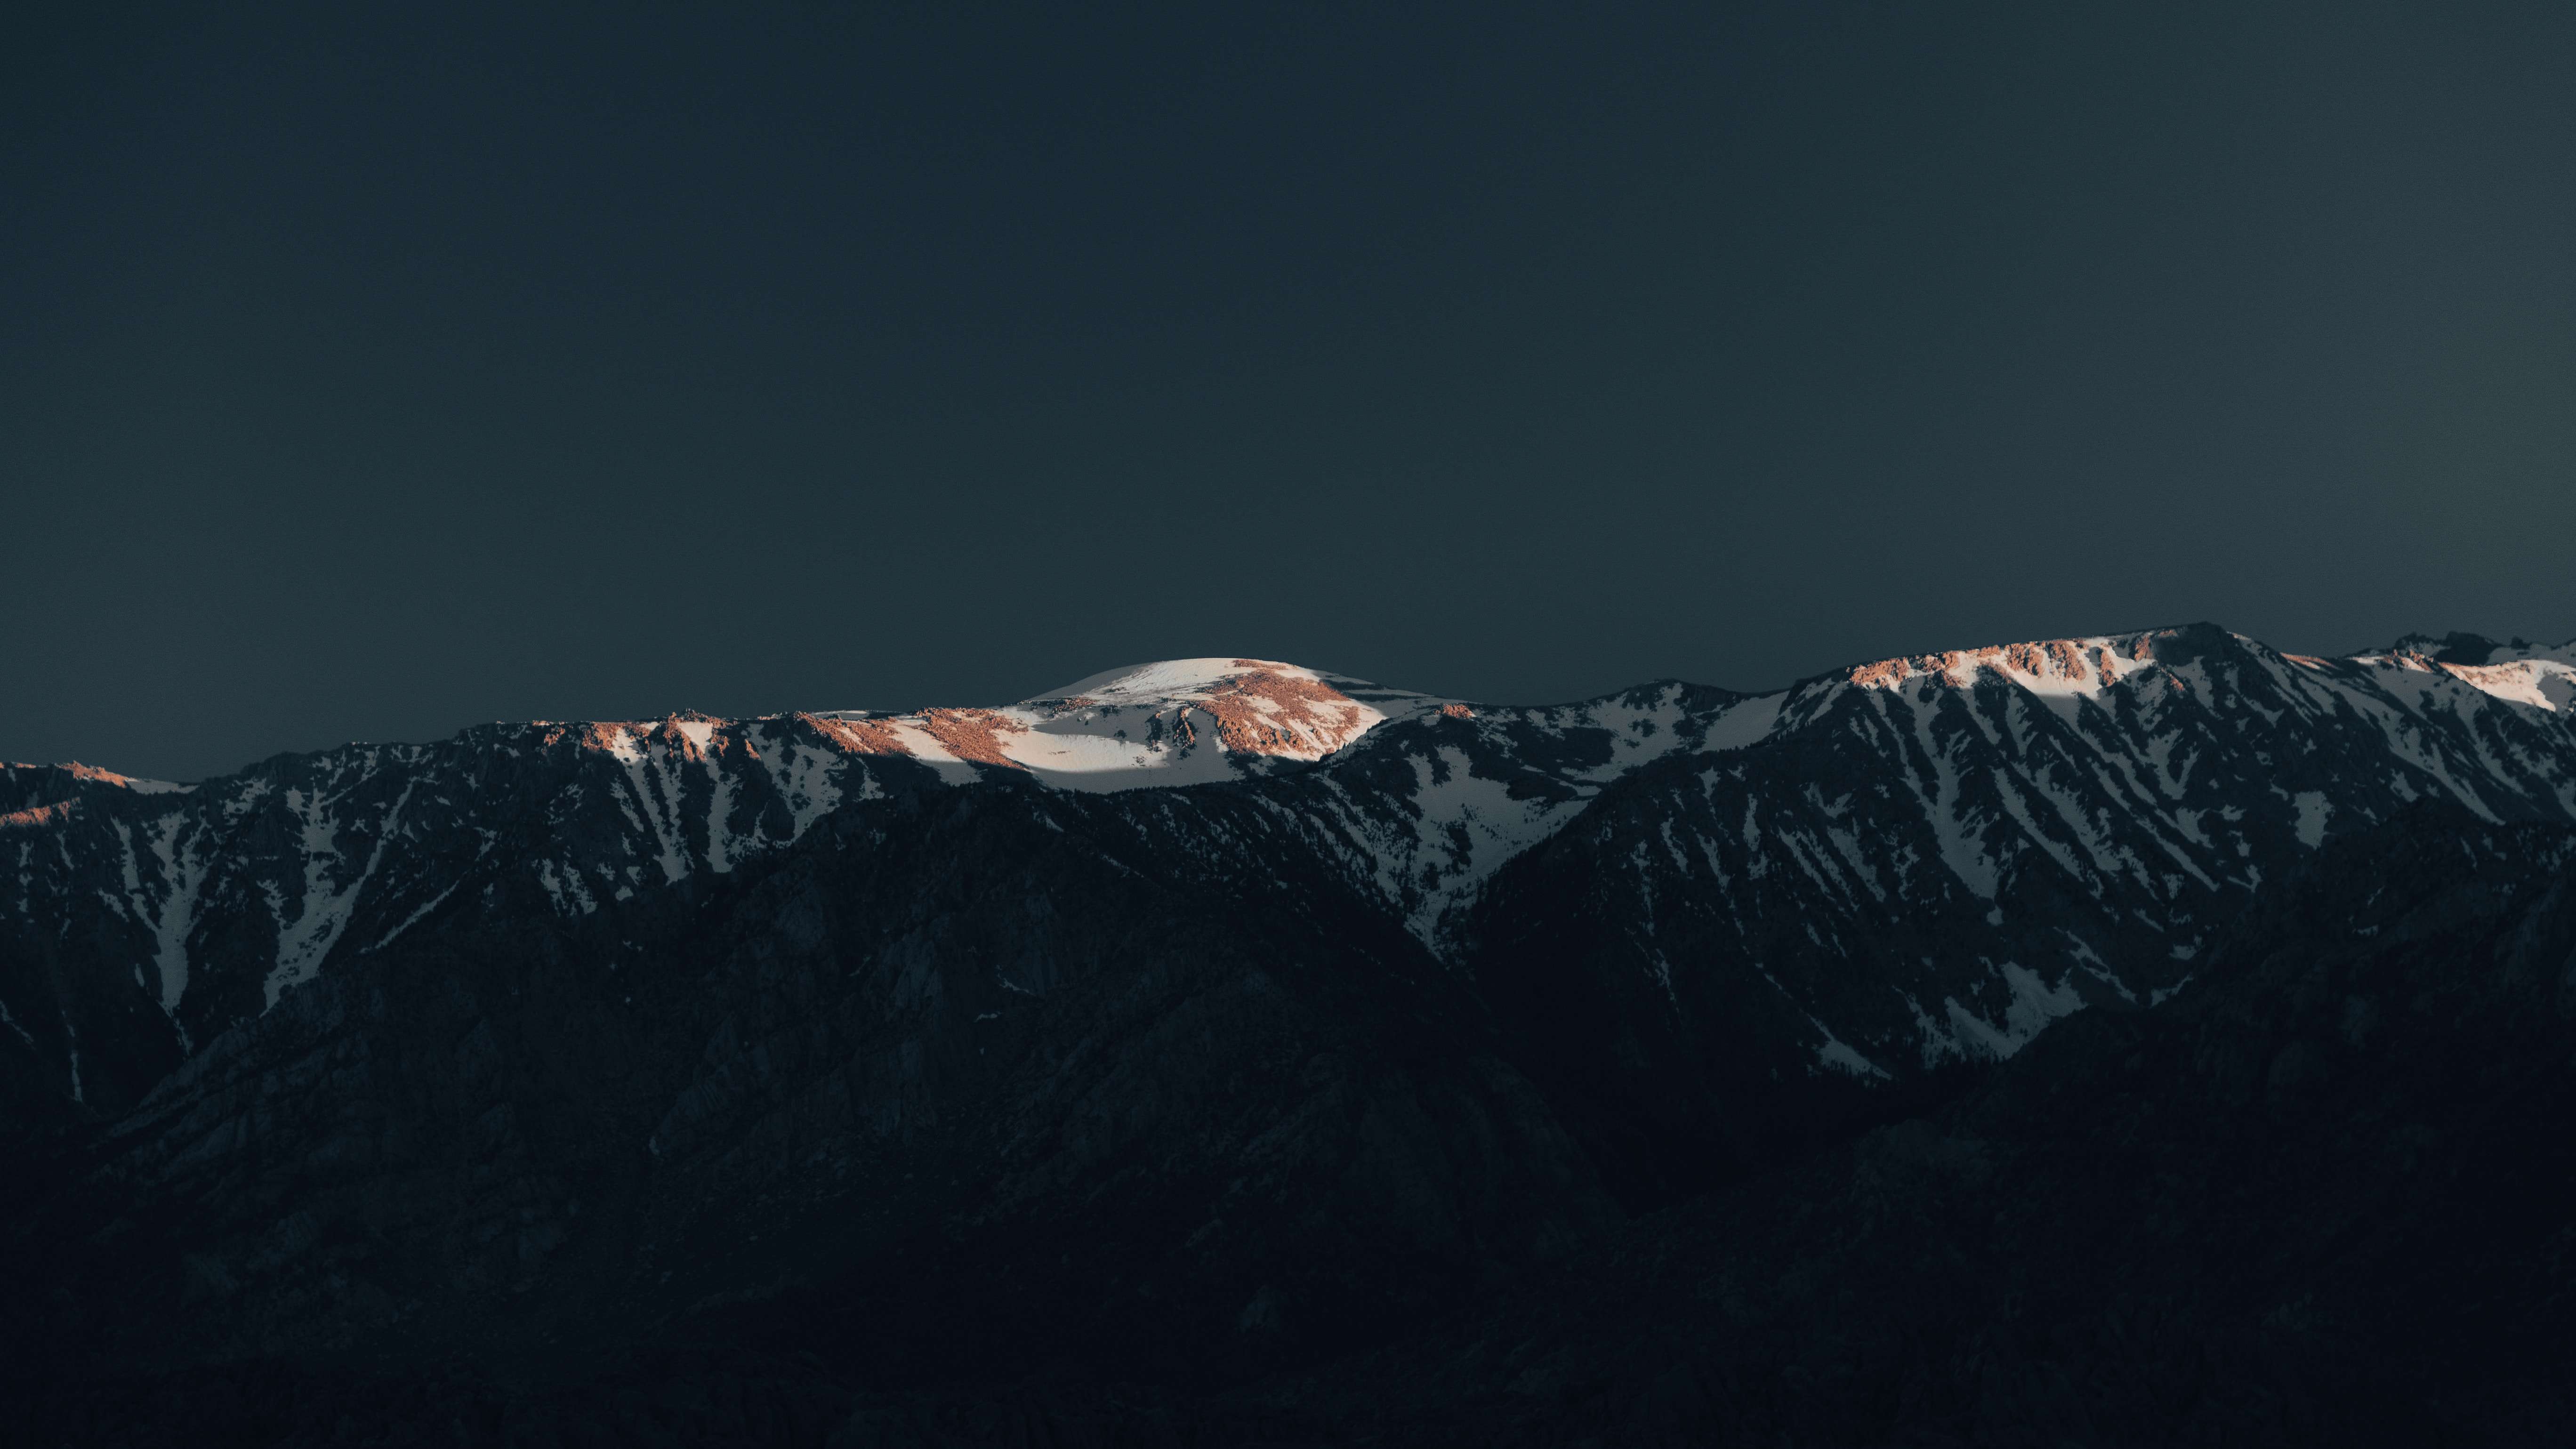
[1174, 722]
[1167, 680]
[2046, 666]
[2520, 671]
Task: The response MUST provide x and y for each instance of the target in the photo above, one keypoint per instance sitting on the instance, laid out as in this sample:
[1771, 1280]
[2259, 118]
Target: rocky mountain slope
[140, 919]
[2323, 1197]
[1925, 862]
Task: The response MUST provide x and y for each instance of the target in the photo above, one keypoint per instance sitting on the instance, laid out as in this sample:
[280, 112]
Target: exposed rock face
[1197, 1019]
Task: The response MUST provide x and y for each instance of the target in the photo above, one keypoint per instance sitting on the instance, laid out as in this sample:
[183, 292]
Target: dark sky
[365, 376]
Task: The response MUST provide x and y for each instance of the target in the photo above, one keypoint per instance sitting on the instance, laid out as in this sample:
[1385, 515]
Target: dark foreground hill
[2325, 1196]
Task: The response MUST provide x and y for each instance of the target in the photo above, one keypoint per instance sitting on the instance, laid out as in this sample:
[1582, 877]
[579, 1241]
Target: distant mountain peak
[2052, 666]
[2456, 647]
[2080, 665]
[2516, 669]
[1177, 679]
[1174, 721]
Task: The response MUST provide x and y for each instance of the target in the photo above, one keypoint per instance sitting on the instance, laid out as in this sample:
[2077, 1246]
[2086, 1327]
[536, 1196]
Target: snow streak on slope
[183, 874]
[330, 889]
[1428, 813]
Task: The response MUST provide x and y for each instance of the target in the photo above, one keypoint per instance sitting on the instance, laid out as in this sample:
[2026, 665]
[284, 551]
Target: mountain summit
[1180, 721]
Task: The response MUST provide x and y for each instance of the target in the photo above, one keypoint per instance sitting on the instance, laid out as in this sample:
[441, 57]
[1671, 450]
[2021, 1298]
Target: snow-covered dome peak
[1223, 706]
[1167, 679]
[1174, 722]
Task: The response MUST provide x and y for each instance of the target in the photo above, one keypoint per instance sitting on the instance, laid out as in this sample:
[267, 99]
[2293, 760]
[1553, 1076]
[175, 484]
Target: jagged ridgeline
[1216, 1007]
[1912, 861]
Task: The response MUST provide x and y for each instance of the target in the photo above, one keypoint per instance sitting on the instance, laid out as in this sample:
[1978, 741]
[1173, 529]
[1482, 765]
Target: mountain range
[1229, 1049]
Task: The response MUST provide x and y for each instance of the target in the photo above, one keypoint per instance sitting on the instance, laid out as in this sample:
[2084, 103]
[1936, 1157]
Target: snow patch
[1837, 1054]
[11, 1022]
[2313, 810]
[2034, 1005]
[183, 876]
[1745, 724]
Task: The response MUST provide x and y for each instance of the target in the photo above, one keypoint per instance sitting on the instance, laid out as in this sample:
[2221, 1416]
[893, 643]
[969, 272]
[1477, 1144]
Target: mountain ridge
[221, 896]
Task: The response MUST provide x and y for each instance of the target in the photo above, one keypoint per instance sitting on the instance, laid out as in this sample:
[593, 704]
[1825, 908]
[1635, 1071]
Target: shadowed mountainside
[2323, 1196]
